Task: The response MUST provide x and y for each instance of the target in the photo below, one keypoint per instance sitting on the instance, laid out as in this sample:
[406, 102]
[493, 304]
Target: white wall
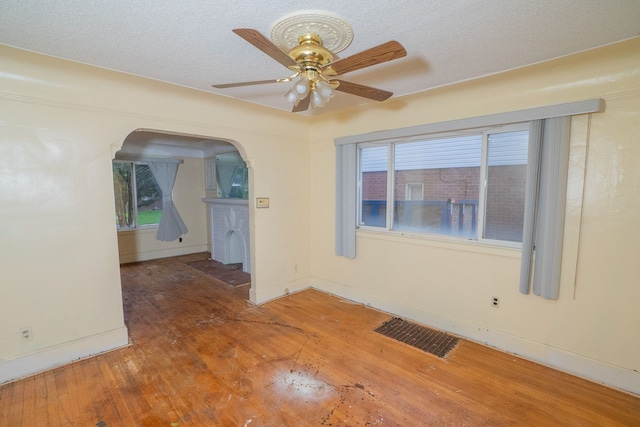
[61, 123]
[58, 256]
[592, 329]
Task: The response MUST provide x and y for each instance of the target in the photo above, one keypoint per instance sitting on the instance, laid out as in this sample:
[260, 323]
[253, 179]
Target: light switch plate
[262, 202]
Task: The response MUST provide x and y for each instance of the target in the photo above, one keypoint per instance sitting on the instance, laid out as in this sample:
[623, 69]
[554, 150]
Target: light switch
[262, 202]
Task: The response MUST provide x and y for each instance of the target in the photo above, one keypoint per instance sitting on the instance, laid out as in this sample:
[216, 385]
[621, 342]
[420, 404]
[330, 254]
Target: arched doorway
[196, 184]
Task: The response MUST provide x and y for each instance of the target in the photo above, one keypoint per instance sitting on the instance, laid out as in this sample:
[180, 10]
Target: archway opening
[198, 186]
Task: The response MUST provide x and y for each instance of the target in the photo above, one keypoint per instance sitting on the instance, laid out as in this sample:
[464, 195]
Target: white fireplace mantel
[229, 235]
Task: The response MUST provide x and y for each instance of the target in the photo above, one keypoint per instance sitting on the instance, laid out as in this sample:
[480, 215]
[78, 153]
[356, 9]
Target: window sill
[145, 229]
[444, 242]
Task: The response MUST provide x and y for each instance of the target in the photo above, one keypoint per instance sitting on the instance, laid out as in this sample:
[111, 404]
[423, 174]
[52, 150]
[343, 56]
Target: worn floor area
[231, 274]
[202, 355]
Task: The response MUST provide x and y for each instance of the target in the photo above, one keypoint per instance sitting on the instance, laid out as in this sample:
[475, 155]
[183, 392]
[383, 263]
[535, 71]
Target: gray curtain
[346, 200]
[545, 207]
[531, 203]
[171, 225]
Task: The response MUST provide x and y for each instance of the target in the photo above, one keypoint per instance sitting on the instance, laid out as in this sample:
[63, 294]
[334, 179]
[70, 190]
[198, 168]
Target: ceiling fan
[315, 70]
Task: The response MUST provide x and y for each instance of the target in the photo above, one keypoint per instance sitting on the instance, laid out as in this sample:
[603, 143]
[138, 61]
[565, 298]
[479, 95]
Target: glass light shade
[319, 91]
[291, 97]
[316, 99]
[325, 89]
[301, 88]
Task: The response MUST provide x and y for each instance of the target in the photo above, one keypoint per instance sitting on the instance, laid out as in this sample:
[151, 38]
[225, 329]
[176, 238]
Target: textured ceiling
[190, 42]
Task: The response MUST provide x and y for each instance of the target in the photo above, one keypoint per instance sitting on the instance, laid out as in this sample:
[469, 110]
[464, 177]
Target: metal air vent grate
[430, 340]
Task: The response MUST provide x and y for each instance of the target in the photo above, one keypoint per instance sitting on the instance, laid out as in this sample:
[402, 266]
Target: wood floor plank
[15, 405]
[39, 415]
[119, 402]
[202, 355]
[28, 402]
[57, 409]
[6, 404]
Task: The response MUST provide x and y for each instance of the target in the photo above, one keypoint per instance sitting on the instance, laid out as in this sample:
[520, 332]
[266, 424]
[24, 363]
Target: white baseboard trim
[562, 360]
[265, 295]
[163, 253]
[62, 354]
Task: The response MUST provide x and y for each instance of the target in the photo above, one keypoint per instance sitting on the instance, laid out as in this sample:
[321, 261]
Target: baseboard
[265, 295]
[562, 360]
[163, 253]
[62, 354]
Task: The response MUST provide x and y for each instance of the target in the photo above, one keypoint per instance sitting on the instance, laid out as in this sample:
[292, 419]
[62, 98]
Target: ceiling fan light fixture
[317, 100]
[299, 90]
[301, 87]
[311, 37]
[311, 84]
[291, 97]
[325, 89]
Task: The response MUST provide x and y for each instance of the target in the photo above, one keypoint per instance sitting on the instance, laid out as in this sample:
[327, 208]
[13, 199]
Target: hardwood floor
[202, 355]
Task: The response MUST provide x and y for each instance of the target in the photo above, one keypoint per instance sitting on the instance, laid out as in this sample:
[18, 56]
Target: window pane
[239, 184]
[448, 171]
[149, 196]
[373, 186]
[232, 176]
[506, 180]
[122, 174]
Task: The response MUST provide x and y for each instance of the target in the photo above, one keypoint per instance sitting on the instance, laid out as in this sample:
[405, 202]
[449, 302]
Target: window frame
[134, 196]
[484, 178]
[479, 238]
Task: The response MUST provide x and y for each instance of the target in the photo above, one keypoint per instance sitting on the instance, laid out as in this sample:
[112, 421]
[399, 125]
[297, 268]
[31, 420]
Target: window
[512, 178]
[506, 179]
[232, 177]
[468, 185]
[414, 191]
[137, 195]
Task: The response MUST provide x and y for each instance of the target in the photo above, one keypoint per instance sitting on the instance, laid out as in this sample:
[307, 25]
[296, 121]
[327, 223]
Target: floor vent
[429, 340]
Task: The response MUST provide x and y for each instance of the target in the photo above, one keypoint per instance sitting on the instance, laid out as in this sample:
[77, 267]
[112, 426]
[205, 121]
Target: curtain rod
[595, 105]
[144, 159]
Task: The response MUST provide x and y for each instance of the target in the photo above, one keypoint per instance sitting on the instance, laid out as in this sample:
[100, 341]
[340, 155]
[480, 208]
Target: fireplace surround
[229, 231]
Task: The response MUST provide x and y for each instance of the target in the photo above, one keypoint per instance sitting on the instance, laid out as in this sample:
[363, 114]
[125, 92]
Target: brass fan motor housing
[310, 53]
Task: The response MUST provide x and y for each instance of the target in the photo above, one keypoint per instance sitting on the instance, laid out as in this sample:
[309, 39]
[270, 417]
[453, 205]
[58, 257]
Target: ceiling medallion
[335, 32]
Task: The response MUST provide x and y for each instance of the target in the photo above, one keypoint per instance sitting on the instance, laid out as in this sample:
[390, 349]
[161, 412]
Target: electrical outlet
[286, 291]
[495, 302]
[26, 334]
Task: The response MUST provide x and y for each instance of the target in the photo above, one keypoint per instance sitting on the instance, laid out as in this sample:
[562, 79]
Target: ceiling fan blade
[376, 55]
[303, 105]
[257, 82]
[264, 44]
[363, 91]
